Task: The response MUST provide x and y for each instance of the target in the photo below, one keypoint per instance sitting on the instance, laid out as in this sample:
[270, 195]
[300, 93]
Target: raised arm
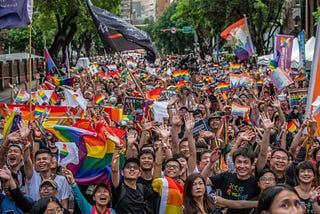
[207, 170]
[267, 125]
[192, 160]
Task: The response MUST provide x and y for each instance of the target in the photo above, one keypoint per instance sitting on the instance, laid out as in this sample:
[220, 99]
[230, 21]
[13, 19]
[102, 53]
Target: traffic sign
[187, 30]
[173, 30]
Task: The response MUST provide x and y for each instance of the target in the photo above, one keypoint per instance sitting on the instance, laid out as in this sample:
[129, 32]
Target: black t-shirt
[235, 189]
[126, 200]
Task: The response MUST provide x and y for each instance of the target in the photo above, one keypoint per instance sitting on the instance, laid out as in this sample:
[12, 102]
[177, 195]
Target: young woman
[306, 190]
[279, 199]
[199, 202]
[47, 205]
[101, 195]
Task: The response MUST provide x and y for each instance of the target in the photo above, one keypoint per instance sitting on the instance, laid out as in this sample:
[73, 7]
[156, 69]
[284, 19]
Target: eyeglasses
[46, 188]
[280, 158]
[134, 167]
[172, 167]
[265, 179]
[58, 210]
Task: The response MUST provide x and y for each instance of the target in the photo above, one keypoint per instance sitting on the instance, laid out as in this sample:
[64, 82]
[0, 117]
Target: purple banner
[283, 47]
[15, 13]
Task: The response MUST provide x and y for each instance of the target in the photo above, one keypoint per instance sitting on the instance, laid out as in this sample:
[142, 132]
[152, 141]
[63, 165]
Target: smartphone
[272, 92]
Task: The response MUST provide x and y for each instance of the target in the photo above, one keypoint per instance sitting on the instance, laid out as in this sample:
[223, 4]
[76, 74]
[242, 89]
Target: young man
[42, 171]
[235, 186]
[128, 196]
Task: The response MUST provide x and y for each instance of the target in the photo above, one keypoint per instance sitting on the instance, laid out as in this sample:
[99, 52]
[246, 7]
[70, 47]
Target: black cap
[130, 160]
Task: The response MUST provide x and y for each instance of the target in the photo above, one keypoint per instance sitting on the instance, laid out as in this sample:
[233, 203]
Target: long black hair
[40, 206]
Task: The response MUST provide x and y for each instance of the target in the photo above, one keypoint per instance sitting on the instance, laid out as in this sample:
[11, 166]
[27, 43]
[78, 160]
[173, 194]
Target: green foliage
[167, 42]
[316, 16]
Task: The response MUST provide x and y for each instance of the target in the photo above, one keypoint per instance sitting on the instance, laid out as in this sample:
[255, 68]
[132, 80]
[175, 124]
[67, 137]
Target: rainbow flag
[99, 99]
[115, 114]
[284, 41]
[280, 78]
[131, 64]
[235, 67]
[154, 94]
[184, 74]
[60, 82]
[182, 85]
[300, 77]
[42, 95]
[21, 97]
[224, 86]
[206, 79]
[48, 86]
[54, 98]
[239, 110]
[260, 83]
[238, 34]
[292, 127]
[171, 195]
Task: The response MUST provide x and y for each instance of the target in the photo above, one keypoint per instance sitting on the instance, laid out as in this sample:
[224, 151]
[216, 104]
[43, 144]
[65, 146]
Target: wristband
[27, 146]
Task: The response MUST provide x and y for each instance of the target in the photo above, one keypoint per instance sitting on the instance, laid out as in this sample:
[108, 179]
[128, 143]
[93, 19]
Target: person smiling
[307, 192]
[101, 195]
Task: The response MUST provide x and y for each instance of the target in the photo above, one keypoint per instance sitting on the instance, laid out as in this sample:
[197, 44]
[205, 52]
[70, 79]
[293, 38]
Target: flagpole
[30, 70]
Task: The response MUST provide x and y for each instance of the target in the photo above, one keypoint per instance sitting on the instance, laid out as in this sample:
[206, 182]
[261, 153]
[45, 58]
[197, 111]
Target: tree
[166, 41]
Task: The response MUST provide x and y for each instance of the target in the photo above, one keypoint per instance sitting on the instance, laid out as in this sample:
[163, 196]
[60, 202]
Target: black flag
[118, 35]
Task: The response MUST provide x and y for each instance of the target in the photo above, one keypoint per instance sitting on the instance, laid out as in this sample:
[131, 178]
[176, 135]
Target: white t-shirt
[33, 185]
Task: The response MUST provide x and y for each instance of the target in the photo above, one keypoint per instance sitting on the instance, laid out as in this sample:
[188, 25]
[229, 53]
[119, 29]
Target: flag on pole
[118, 35]
[238, 34]
[283, 46]
[314, 84]
[15, 14]
[49, 62]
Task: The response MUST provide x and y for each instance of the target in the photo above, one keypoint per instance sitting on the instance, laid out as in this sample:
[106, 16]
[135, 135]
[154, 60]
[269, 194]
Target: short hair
[261, 173]
[245, 153]
[268, 195]
[281, 150]
[145, 152]
[315, 151]
[179, 155]
[42, 151]
[305, 165]
[173, 160]
[147, 146]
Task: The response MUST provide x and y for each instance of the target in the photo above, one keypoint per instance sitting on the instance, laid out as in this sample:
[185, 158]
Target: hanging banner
[302, 51]
[283, 48]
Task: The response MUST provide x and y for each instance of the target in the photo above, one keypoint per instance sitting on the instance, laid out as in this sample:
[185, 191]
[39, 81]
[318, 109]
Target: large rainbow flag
[238, 34]
[95, 150]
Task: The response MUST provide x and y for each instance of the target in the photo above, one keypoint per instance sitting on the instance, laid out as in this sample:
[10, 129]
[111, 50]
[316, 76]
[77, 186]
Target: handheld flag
[118, 35]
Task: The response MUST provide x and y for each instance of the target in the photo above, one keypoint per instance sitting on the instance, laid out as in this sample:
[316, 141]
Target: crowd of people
[199, 156]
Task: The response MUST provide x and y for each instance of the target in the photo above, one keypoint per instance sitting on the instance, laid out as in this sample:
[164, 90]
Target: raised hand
[247, 135]
[172, 100]
[189, 121]
[207, 103]
[114, 138]
[14, 136]
[267, 124]
[176, 119]
[24, 129]
[163, 130]
[5, 173]
[215, 155]
[69, 176]
[131, 136]
[275, 102]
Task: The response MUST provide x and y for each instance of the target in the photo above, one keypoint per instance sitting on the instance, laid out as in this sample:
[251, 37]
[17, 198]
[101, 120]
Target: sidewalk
[6, 93]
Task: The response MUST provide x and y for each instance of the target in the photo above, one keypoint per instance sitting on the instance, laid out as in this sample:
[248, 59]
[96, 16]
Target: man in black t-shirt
[235, 186]
[128, 196]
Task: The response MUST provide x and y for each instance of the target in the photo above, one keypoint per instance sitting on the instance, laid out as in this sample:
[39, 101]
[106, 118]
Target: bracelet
[26, 147]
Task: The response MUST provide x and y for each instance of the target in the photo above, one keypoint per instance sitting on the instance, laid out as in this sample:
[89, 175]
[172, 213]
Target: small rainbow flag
[154, 94]
[42, 95]
[54, 98]
[239, 110]
[34, 98]
[300, 77]
[224, 86]
[292, 127]
[285, 42]
[182, 85]
[63, 152]
[22, 96]
[132, 64]
[235, 67]
[99, 99]
[184, 74]
[60, 82]
[260, 83]
[206, 79]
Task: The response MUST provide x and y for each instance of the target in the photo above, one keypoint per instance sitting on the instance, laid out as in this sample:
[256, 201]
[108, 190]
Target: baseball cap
[50, 182]
[217, 114]
[130, 160]
[100, 185]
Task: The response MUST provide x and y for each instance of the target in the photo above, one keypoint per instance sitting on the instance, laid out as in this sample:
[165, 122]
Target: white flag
[68, 153]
